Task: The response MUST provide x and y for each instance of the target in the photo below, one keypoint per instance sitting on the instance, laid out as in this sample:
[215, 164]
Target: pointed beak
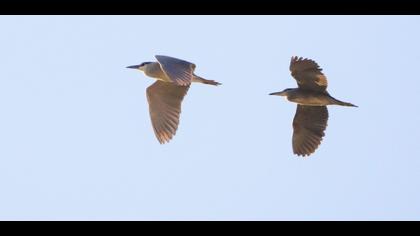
[277, 94]
[133, 67]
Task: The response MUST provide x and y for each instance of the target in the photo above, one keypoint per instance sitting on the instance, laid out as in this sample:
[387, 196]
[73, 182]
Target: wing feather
[308, 74]
[177, 70]
[309, 126]
[165, 108]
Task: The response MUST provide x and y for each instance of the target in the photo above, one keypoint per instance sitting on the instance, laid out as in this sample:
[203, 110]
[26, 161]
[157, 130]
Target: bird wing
[309, 125]
[177, 70]
[165, 107]
[308, 74]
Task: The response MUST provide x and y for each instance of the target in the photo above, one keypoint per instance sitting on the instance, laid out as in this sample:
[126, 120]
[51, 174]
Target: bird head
[282, 93]
[139, 67]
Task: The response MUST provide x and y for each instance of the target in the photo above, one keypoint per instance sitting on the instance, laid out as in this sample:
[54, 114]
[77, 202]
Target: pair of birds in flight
[174, 77]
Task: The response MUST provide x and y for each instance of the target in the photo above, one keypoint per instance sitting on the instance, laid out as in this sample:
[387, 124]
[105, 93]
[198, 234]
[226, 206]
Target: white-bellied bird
[174, 77]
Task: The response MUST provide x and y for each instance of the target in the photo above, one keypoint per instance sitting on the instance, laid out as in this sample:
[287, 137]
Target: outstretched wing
[179, 71]
[308, 74]
[165, 107]
[309, 125]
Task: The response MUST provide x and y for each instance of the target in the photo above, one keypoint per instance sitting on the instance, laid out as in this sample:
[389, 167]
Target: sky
[76, 141]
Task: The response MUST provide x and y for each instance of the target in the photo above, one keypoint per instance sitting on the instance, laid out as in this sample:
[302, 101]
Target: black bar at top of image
[209, 7]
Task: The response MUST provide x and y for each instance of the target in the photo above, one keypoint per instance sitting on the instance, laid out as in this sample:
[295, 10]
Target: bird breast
[155, 71]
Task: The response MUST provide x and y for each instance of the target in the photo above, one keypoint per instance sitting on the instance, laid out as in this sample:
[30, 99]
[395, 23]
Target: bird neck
[154, 70]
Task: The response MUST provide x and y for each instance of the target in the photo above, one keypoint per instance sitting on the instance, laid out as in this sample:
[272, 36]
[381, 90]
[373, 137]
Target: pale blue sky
[76, 141]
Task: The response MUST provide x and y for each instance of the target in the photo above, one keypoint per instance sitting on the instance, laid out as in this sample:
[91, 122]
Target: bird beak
[133, 67]
[278, 94]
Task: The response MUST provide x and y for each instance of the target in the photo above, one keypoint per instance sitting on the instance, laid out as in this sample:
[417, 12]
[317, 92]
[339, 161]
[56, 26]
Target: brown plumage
[311, 116]
[308, 74]
[309, 125]
[165, 107]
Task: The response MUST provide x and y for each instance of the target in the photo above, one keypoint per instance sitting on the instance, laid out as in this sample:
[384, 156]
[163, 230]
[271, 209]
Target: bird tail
[347, 104]
[205, 81]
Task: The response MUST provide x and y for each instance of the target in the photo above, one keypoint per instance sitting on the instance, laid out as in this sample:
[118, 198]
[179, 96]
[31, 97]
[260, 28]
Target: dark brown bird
[174, 77]
[312, 98]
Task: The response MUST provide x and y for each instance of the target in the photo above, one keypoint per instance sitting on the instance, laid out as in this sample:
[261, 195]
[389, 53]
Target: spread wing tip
[164, 138]
[303, 154]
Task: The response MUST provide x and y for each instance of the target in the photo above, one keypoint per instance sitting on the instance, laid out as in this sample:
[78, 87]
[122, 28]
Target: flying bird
[174, 77]
[311, 116]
